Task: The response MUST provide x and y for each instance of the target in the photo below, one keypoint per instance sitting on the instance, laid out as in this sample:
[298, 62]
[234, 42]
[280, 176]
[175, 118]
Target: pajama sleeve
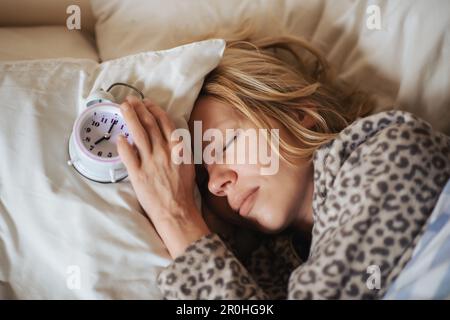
[208, 270]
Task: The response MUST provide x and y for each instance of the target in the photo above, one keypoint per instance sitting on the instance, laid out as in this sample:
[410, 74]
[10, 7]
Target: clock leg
[112, 175]
[72, 162]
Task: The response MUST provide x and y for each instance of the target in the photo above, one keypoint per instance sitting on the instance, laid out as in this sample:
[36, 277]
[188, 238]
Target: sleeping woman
[346, 207]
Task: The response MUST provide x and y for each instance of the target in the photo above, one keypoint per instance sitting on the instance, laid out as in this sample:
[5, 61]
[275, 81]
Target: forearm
[208, 270]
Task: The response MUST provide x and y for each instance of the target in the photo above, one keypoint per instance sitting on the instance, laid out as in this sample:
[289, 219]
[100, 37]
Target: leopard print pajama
[375, 185]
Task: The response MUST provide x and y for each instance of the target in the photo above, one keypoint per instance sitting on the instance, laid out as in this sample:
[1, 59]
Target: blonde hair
[257, 79]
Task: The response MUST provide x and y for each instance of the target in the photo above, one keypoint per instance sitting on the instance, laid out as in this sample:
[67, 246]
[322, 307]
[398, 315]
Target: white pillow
[405, 63]
[55, 224]
[129, 26]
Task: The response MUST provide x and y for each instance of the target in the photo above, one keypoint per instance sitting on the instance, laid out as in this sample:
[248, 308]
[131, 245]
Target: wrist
[180, 230]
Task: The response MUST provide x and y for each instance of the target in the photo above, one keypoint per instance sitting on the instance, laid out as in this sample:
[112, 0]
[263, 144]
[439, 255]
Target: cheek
[249, 174]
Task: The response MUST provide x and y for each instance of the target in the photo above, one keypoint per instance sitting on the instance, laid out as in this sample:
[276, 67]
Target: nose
[221, 179]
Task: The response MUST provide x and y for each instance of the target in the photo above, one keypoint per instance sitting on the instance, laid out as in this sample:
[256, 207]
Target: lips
[245, 202]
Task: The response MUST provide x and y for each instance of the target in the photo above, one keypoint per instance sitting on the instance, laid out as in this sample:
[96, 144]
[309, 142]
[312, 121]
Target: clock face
[99, 133]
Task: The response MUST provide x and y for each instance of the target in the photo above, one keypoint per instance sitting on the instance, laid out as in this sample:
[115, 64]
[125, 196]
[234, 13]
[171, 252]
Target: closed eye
[229, 143]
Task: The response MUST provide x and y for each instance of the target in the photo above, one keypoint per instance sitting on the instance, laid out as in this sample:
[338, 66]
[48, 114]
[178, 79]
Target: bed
[62, 237]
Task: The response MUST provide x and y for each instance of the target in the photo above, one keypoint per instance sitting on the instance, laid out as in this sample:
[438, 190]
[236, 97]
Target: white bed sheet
[61, 235]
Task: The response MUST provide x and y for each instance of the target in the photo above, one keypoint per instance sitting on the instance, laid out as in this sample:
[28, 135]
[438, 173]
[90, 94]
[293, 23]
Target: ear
[306, 120]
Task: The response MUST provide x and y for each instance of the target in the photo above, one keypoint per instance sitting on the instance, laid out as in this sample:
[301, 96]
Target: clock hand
[100, 140]
[106, 135]
[110, 128]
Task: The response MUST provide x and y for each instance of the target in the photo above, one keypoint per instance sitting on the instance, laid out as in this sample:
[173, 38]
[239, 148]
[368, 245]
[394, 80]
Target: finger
[127, 154]
[148, 121]
[139, 134]
[165, 124]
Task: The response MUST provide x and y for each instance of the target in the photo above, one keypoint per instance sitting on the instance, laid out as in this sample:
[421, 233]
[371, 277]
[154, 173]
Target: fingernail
[131, 98]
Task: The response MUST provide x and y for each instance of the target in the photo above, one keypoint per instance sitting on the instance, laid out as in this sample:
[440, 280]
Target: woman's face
[239, 192]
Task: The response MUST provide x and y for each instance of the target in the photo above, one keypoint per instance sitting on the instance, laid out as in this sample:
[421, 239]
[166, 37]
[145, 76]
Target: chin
[270, 227]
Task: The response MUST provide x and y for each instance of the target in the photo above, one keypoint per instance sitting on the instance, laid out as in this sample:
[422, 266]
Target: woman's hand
[164, 189]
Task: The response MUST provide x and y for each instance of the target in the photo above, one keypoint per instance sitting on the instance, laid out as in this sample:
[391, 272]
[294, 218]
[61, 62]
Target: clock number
[87, 139]
[88, 129]
[99, 153]
[109, 154]
[121, 128]
[126, 135]
[95, 123]
[91, 147]
[104, 120]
